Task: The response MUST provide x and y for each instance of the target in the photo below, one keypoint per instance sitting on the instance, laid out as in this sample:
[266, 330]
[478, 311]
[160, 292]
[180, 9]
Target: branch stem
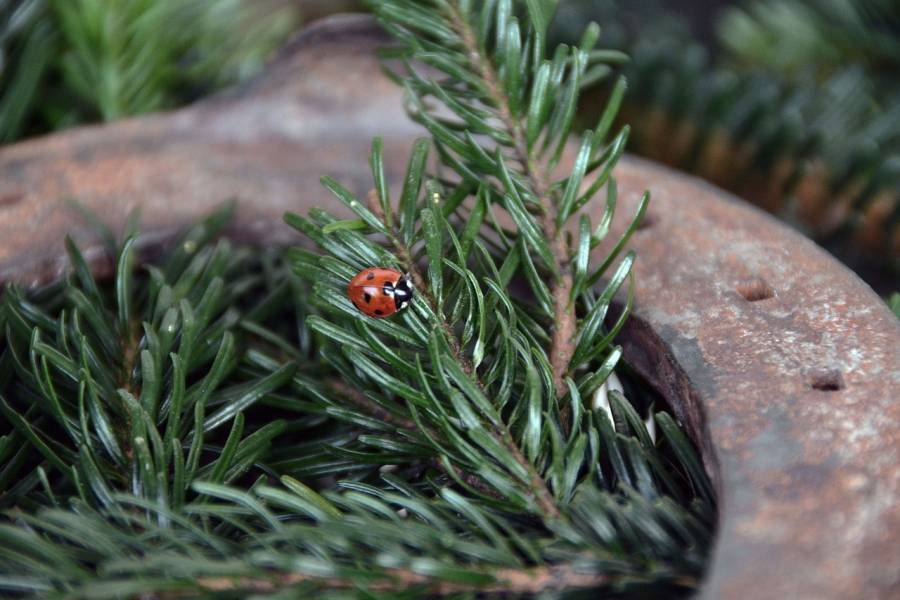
[564, 326]
[530, 581]
[359, 400]
[502, 435]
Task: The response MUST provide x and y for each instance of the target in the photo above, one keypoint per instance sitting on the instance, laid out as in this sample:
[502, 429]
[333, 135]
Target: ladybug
[380, 292]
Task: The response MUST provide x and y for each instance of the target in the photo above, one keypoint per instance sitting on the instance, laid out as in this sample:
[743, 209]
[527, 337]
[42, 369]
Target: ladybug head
[403, 292]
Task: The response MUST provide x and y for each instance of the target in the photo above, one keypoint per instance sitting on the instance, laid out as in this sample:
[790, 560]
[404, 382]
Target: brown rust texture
[792, 364]
[783, 365]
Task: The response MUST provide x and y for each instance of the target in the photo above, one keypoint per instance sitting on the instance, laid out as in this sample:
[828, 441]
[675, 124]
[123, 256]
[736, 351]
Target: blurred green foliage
[65, 62]
[793, 36]
[794, 105]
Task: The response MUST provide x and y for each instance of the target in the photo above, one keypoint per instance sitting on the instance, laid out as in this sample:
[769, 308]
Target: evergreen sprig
[213, 426]
[65, 62]
[512, 115]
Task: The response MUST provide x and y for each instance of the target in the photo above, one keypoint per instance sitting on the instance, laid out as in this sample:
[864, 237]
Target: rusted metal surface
[792, 365]
[784, 366]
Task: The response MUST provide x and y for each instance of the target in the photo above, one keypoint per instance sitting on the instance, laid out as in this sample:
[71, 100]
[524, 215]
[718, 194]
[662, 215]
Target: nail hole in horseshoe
[825, 380]
[755, 289]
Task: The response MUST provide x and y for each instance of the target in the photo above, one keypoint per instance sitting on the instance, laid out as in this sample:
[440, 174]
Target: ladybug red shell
[380, 292]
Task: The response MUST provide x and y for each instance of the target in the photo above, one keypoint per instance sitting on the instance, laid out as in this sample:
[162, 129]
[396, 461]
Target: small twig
[424, 290]
[373, 203]
[535, 580]
[562, 341]
[360, 400]
[539, 487]
[474, 481]
[371, 408]
[130, 346]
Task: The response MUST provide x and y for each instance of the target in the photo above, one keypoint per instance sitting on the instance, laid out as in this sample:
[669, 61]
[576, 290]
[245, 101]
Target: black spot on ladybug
[378, 312]
[367, 297]
[371, 275]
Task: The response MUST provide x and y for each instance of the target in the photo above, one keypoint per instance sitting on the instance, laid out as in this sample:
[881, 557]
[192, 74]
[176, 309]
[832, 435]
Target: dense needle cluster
[214, 426]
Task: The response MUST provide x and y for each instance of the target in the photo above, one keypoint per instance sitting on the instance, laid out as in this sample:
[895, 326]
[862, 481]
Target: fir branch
[363, 403]
[457, 538]
[501, 432]
[263, 436]
[524, 104]
[359, 400]
[561, 345]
